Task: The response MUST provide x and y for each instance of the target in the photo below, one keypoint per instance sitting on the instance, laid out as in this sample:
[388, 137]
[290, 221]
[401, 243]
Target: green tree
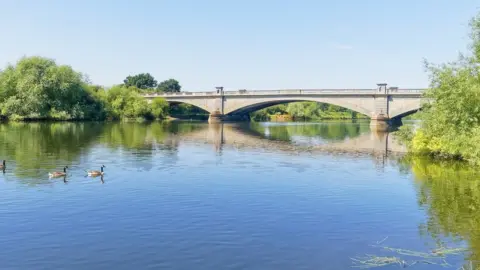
[159, 108]
[451, 122]
[125, 103]
[141, 81]
[38, 88]
[170, 85]
[296, 109]
[186, 109]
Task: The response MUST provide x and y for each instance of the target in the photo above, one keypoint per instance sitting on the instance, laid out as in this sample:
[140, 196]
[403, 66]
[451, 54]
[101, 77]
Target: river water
[233, 196]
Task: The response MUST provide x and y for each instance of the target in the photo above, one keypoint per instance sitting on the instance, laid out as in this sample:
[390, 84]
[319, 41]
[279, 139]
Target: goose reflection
[95, 176]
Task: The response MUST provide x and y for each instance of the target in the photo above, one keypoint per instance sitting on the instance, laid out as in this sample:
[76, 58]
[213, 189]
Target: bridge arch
[359, 105]
[199, 103]
[406, 109]
[176, 103]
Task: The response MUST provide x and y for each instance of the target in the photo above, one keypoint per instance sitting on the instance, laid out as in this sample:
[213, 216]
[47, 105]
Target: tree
[159, 108]
[38, 88]
[170, 85]
[451, 122]
[141, 81]
[125, 103]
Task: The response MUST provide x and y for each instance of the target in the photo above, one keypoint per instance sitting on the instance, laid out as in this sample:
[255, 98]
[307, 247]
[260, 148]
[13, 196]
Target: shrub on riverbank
[126, 103]
[37, 88]
[159, 108]
[450, 125]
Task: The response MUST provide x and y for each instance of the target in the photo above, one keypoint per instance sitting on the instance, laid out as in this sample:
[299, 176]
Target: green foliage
[140, 81]
[258, 116]
[307, 110]
[38, 88]
[185, 109]
[405, 134]
[451, 123]
[159, 108]
[170, 85]
[414, 116]
[126, 103]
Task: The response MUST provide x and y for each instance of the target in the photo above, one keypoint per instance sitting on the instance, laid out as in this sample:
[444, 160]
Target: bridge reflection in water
[380, 145]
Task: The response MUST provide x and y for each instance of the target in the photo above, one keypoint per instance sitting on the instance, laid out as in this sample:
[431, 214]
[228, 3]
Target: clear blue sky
[252, 44]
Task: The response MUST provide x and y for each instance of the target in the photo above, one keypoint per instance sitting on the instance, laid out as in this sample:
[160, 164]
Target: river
[235, 196]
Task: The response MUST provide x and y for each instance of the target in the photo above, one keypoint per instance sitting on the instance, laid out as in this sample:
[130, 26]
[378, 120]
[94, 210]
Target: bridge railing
[408, 90]
[289, 92]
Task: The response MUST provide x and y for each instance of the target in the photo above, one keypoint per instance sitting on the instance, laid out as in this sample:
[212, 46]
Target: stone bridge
[384, 105]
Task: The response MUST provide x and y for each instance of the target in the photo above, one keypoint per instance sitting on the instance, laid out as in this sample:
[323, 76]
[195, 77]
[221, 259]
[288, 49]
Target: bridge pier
[216, 118]
[380, 123]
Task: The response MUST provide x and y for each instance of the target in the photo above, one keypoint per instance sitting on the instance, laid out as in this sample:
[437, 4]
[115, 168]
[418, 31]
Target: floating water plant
[436, 257]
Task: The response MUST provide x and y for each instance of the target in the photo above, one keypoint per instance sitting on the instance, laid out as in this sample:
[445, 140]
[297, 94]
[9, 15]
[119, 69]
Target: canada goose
[58, 174]
[3, 166]
[96, 173]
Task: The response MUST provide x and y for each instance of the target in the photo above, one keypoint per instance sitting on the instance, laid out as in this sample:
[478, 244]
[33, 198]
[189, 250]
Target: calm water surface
[237, 196]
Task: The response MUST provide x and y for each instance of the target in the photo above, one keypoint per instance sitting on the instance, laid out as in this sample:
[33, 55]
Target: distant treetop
[170, 85]
[142, 81]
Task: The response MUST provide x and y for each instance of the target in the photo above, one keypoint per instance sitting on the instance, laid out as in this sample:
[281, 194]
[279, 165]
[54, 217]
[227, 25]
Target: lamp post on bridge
[382, 87]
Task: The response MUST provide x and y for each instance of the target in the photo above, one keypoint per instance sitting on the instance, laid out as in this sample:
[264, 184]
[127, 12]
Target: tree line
[37, 88]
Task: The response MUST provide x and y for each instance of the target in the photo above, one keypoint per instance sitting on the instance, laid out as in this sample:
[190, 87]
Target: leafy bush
[123, 102]
[38, 88]
[159, 108]
[451, 122]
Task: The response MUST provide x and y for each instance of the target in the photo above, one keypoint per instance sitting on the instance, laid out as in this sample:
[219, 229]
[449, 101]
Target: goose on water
[96, 173]
[58, 174]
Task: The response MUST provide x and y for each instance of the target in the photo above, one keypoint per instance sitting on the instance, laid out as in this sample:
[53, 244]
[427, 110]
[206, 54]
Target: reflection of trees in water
[144, 136]
[335, 131]
[143, 140]
[450, 192]
[35, 147]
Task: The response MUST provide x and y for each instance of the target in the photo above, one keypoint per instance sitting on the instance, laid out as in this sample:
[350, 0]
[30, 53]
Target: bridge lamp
[382, 87]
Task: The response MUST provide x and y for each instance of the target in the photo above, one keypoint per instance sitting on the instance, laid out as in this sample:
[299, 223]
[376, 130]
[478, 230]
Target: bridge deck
[415, 92]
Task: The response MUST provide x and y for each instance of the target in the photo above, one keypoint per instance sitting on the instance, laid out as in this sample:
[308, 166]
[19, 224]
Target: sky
[241, 44]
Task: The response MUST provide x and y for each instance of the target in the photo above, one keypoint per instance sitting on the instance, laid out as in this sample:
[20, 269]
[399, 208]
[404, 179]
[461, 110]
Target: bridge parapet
[244, 92]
